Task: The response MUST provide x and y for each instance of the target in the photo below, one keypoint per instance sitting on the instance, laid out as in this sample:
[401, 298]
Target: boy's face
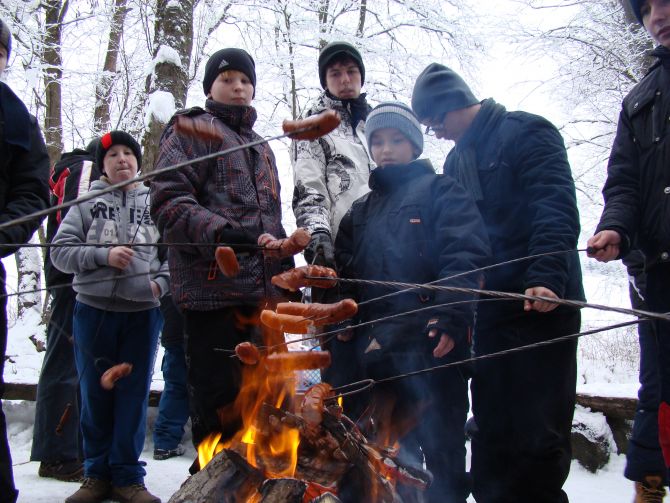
[3, 58]
[120, 163]
[232, 88]
[656, 19]
[390, 146]
[343, 80]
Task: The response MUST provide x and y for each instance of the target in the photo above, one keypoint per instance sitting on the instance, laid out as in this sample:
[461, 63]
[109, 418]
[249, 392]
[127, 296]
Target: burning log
[227, 478]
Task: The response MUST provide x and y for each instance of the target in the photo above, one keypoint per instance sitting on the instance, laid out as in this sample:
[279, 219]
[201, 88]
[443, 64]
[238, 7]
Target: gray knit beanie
[439, 90]
[395, 115]
[5, 37]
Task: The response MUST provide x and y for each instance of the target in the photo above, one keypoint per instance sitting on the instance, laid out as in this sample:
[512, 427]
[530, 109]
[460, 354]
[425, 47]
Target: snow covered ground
[165, 477]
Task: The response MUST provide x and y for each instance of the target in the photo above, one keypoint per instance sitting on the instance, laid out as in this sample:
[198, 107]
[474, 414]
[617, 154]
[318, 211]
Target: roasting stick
[311, 128]
[366, 384]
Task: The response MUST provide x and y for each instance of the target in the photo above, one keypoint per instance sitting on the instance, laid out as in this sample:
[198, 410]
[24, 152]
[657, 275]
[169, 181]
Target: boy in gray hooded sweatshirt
[116, 319]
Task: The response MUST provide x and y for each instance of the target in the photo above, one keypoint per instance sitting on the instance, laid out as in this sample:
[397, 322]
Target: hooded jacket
[417, 227]
[113, 217]
[233, 198]
[637, 190]
[330, 173]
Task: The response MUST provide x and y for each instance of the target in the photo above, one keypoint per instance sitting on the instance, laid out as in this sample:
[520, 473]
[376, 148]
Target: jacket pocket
[646, 116]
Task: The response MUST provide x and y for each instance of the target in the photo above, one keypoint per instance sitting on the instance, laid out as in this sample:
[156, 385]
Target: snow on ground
[165, 477]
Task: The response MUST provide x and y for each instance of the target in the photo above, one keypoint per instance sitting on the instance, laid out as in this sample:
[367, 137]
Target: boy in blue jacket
[414, 226]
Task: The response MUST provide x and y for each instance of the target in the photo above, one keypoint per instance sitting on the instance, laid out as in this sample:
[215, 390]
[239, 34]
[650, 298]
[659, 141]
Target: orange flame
[274, 452]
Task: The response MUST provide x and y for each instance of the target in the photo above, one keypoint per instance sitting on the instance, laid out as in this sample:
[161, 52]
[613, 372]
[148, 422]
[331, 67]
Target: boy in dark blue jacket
[414, 226]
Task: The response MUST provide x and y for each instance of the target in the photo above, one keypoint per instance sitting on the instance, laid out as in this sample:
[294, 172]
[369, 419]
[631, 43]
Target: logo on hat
[223, 64]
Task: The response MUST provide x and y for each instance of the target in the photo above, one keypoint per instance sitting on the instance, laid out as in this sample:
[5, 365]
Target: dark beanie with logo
[439, 90]
[335, 50]
[5, 37]
[229, 59]
[636, 5]
[108, 140]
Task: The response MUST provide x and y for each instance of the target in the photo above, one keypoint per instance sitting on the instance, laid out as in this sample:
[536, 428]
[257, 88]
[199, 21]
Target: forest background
[84, 67]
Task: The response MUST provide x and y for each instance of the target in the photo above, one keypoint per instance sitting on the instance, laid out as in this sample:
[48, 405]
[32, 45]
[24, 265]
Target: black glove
[320, 250]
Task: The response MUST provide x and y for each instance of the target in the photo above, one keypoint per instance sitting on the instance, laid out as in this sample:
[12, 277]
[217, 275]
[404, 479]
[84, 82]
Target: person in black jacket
[24, 171]
[58, 386]
[637, 190]
[515, 166]
[419, 227]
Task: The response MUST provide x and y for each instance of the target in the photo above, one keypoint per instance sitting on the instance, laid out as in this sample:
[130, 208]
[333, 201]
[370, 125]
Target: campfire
[292, 448]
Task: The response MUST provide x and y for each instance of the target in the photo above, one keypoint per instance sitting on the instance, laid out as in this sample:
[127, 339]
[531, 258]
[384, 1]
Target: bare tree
[101, 114]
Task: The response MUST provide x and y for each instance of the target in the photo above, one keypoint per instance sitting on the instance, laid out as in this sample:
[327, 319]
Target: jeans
[173, 409]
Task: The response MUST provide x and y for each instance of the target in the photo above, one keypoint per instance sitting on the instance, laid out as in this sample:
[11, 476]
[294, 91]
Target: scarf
[463, 158]
[358, 108]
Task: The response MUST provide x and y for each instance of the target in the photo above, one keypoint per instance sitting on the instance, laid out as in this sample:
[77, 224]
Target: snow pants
[8, 492]
[523, 404]
[57, 387]
[114, 422]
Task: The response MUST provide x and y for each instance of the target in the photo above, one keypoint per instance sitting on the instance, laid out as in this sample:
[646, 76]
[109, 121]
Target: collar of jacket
[393, 176]
[663, 54]
[238, 118]
[349, 110]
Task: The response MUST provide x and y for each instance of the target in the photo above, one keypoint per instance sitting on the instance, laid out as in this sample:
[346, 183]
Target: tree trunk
[361, 18]
[173, 36]
[55, 11]
[103, 91]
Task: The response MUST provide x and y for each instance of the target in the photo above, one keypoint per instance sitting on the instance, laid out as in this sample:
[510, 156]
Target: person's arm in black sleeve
[28, 192]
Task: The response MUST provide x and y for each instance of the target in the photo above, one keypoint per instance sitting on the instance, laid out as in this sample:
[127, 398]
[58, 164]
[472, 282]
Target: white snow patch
[161, 106]
[165, 54]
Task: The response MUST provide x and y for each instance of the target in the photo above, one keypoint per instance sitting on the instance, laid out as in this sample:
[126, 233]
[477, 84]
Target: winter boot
[67, 471]
[91, 491]
[161, 454]
[650, 490]
[136, 493]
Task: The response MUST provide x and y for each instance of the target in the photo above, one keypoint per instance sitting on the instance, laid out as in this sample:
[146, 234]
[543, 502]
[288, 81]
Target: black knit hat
[636, 5]
[5, 37]
[335, 49]
[398, 116]
[439, 90]
[229, 59]
[116, 138]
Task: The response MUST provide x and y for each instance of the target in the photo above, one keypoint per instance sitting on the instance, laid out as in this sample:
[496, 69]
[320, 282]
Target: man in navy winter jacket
[24, 171]
[515, 166]
[637, 190]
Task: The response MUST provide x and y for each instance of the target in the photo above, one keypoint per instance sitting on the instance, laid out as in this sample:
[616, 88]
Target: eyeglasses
[437, 120]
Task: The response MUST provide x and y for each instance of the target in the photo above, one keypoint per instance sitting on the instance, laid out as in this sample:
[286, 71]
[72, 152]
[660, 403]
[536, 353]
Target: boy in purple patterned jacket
[230, 199]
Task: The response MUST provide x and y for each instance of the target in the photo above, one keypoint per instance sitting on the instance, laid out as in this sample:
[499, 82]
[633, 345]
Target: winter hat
[636, 5]
[5, 37]
[398, 116]
[116, 138]
[335, 49]
[229, 59]
[439, 90]
[92, 147]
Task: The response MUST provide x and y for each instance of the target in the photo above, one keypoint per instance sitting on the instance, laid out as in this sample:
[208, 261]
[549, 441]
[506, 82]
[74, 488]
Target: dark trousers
[523, 404]
[57, 387]
[173, 408]
[658, 300]
[114, 422]
[8, 493]
[214, 377]
[428, 413]
[644, 456]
